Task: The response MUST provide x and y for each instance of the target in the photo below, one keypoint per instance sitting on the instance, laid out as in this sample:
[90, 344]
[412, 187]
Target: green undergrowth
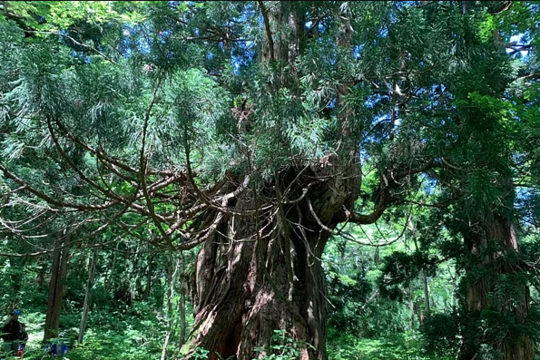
[405, 346]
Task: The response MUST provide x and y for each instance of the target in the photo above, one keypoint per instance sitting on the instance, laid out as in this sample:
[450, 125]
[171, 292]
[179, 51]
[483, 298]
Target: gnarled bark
[263, 273]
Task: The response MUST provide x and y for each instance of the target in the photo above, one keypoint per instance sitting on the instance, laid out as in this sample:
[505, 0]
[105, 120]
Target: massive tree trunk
[496, 291]
[263, 273]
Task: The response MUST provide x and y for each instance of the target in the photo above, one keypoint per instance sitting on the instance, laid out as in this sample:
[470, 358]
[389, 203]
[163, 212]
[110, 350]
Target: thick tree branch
[385, 184]
[506, 5]
[377, 212]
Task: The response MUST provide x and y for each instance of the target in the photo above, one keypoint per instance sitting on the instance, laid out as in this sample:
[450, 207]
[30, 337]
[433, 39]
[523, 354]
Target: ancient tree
[242, 128]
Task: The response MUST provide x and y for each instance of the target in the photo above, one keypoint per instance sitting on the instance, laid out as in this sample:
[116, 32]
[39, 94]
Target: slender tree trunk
[454, 287]
[109, 274]
[165, 344]
[171, 323]
[149, 270]
[56, 286]
[411, 305]
[88, 294]
[40, 277]
[135, 275]
[182, 308]
[426, 293]
[424, 282]
[182, 305]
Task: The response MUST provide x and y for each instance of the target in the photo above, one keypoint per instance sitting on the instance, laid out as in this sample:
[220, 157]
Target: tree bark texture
[263, 273]
[495, 284]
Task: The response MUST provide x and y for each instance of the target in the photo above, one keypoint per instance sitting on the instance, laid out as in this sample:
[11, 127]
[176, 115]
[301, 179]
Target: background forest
[271, 180]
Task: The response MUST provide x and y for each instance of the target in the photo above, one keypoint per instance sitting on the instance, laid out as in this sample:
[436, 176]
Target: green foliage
[441, 334]
[200, 353]
[400, 268]
[397, 347]
[282, 347]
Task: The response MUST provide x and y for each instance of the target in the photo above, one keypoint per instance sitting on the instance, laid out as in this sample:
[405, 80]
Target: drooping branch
[106, 159]
[79, 240]
[53, 201]
[106, 192]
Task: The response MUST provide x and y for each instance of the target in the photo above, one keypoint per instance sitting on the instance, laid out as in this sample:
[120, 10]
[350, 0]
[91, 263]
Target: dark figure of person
[12, 333]
[57, 347]
[23, 339]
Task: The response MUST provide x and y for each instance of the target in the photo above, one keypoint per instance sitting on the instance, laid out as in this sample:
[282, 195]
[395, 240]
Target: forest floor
[407, 346]
[399, 347]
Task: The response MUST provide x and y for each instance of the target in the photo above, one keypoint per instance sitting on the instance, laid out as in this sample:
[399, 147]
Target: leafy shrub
[441, 333]
[282, 347]
[399, 347]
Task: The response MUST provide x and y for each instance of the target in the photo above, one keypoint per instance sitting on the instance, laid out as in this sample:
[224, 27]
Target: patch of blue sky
[374, 99]
[236, 68]
[261, 21]
[518, 157]
[401, 4]
[163, 35]
[173, 4]
[358, 50]
[429, 185]
[127, 31]
[320, 26]
[244, 57]
[523, 199]
[332, 103]
[519, 40]
[143, 46]
[363, 154]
